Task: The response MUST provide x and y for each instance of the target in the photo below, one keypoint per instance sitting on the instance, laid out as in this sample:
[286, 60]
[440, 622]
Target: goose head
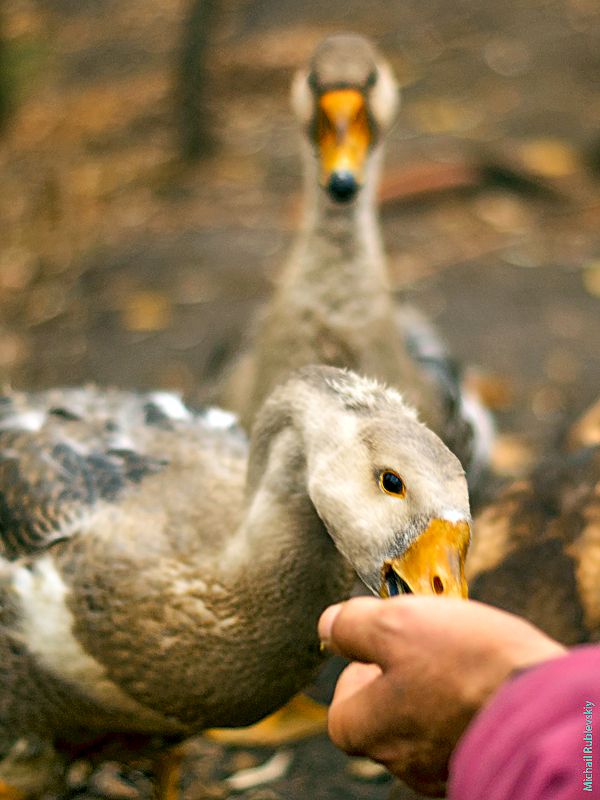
[346, 100]
[391, 495]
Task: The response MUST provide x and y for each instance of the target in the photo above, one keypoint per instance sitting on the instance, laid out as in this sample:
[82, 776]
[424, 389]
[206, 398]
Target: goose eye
[392, 483]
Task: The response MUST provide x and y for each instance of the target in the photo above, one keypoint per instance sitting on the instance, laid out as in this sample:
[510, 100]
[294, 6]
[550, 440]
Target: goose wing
[62, 452]
[468, 428]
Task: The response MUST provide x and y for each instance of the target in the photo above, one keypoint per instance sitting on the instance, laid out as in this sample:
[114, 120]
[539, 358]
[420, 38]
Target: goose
[333, 303]
[161, 573]
[536, 546]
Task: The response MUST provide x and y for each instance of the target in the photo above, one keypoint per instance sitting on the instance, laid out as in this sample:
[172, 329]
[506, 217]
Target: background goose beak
[344, 137]
[433, 564]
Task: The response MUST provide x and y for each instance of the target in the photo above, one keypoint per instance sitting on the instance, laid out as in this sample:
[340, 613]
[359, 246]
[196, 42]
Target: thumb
[354, 629]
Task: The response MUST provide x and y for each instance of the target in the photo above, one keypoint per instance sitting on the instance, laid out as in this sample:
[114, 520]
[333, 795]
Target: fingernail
[326, 623]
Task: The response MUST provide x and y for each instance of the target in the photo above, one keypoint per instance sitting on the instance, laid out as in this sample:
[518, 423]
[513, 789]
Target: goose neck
[288, 431]
[341, 235]
[282, 534]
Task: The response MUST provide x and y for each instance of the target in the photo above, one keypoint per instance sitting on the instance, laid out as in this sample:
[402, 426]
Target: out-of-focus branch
[5, 99]
[191, 93]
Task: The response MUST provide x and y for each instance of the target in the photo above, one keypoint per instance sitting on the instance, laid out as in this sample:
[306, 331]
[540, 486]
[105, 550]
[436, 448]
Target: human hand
[425, 666]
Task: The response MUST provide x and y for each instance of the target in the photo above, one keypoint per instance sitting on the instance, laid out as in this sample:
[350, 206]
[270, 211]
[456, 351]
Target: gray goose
[161, 574]
[333, 302]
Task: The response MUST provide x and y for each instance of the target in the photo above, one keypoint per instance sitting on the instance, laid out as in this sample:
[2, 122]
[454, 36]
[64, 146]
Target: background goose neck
[341, 238]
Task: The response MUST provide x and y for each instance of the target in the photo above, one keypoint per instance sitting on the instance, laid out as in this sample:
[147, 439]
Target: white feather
[47, 629]
[26, 421]
[219, 419]
[171, 405]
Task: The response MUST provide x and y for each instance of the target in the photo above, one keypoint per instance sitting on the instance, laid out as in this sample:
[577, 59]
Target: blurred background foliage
[150, 186]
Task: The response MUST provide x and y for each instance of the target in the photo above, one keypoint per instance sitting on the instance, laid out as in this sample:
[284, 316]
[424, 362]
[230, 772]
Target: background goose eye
[392, 483]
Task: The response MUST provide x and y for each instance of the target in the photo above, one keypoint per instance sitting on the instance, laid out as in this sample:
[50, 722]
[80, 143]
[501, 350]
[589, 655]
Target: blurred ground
[120, 265]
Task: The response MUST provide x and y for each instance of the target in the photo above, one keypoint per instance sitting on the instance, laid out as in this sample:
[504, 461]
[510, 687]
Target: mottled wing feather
[64, 451]
[47, 485]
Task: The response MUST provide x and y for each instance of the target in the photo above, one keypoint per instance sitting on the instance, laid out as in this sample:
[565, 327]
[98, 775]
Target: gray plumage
[159, 574]
[333, 303]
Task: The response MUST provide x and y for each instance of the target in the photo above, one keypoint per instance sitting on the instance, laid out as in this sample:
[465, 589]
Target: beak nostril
[438, 586]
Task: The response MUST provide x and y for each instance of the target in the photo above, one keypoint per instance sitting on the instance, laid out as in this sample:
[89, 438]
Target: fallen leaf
[17, 268]
[550, 158]
[547, 401]
[586, 430]
[243, 760]
[146, 311]
[366, 770]
[512, 456]
[591, 278]
[272, 770]
[507, 57]
[502, 211]
[443, 116]
[495, 391]
[45, 302]
[562, 365]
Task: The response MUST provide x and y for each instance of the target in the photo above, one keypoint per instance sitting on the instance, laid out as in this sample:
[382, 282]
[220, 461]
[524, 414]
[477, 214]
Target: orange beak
[433, 564]
[344, 137]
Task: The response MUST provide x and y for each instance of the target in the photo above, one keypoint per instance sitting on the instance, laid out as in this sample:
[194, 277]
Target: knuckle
[342, 734]
[336, 730]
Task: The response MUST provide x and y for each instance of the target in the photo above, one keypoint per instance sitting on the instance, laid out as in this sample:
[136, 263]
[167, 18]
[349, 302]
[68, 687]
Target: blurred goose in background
[536, 549]
[160, 574]
[333, 303]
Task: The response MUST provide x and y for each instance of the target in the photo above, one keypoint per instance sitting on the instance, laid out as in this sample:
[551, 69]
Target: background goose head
[346, 100]
[391, 495]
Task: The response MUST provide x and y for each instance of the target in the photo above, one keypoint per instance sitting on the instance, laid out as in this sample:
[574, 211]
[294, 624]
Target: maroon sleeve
[538, 738]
